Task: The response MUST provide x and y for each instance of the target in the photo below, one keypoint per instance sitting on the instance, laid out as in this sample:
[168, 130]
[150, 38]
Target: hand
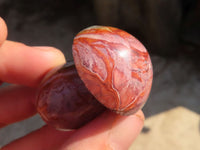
[25, 67]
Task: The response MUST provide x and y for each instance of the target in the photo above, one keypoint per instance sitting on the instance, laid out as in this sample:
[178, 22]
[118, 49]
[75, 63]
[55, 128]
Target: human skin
[19, 65]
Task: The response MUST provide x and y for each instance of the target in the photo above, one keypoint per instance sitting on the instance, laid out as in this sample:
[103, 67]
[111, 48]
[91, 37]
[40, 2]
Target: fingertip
[57, 54]
[52, 57]
[140, 115]
[3, 31]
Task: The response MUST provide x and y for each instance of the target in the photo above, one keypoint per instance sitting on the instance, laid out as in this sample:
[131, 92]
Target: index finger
[25, 65]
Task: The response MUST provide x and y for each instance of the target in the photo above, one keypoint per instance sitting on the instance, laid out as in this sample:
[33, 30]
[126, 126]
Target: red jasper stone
[115, 67]
[64, 102]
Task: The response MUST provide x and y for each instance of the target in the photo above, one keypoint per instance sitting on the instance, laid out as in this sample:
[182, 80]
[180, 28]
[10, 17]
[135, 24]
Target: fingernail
[124, 131]
[58, 56]
[43, 47]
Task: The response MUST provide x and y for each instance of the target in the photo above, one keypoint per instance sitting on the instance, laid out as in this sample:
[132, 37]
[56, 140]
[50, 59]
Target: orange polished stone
[115, 67]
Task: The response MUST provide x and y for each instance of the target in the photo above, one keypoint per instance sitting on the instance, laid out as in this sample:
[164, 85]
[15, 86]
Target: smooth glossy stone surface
[115, 67]
[64, 102]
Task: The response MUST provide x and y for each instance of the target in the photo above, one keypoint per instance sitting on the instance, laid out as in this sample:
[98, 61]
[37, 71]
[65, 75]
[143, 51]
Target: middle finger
[16, 104]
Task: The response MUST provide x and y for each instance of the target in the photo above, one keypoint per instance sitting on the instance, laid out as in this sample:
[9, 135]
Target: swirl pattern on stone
[115, 67]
